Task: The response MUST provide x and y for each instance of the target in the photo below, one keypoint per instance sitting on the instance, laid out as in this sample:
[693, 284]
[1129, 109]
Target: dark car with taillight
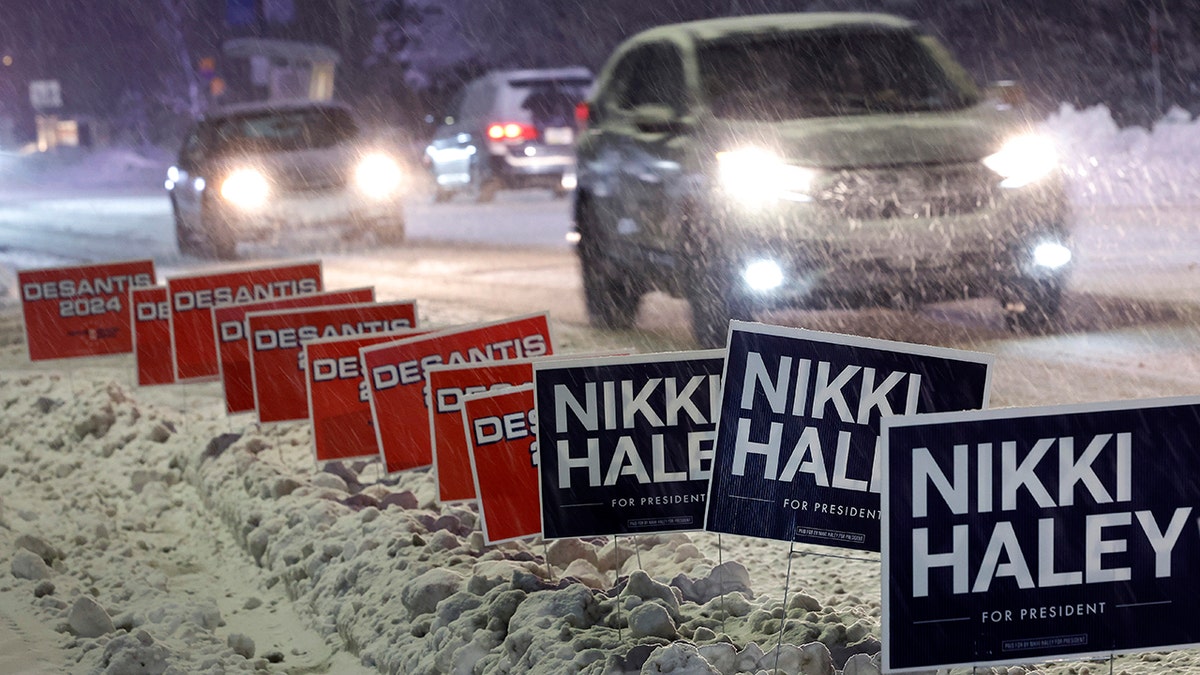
[509, 129]
[267, 170]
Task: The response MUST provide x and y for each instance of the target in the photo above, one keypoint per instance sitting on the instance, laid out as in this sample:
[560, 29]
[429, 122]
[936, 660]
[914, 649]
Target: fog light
[1052, 255]
[763, 275]
[568, 181]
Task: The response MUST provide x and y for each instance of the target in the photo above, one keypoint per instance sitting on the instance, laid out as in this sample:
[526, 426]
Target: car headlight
[1051, 255]
[1023, 160]
[246, 189]
[378, 176]
[757, 177]
[763, 275]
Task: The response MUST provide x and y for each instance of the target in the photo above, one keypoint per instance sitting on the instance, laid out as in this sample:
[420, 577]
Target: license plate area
[559, 135]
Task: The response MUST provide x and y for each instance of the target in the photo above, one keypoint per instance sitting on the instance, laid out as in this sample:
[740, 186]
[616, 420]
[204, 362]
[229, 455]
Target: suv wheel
[390, 231]
[212, 240]
[482, 187]
[1042, 301]
[611, 298]
[713, 307]
[711, 293]
[185, 238]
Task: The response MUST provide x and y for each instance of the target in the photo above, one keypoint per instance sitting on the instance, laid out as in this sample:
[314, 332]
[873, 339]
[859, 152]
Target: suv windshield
[783, 76]
[280, 130]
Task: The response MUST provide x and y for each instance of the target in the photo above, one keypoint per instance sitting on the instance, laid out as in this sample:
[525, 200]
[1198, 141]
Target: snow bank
[1107, 165]
[110, 501]
[81, 169]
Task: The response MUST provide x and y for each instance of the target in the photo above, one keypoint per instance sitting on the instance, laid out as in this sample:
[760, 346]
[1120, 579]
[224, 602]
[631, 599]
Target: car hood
[880, 140]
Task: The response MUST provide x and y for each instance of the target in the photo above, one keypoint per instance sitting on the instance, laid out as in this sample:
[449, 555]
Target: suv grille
[912, 192]
[309, 179]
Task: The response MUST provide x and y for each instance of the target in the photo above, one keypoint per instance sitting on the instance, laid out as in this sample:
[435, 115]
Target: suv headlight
[1023, 160]
[756, 177]
[246, 189]
[378, 176]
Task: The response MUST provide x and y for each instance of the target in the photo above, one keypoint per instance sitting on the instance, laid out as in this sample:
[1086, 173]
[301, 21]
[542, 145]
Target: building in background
[273, 69]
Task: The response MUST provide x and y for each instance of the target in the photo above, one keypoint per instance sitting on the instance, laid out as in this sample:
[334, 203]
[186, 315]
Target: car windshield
[783, 76]
[281, 130]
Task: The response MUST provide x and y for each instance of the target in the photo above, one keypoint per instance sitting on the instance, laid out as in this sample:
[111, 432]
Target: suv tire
[710, 289]
[611, 298]
[714, 304]
[1042, 301]
[213, 240]
[483, 186]
[390, 231]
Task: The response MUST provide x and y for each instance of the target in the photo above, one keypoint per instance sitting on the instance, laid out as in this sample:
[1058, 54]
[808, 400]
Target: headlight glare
[378, 176]
[1051, 255]
[757, 177]
[763, 275]
[1023, 160]
[246, 189]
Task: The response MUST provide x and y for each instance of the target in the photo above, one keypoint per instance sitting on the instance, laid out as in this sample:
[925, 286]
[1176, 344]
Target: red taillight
[582, 113]
[511, 131]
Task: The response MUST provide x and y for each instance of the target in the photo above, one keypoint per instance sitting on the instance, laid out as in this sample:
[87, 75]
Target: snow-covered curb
[141, 492]
[1108, 165]
[412, 589]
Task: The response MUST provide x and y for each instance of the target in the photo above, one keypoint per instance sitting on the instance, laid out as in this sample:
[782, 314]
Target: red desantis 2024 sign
[80, 311]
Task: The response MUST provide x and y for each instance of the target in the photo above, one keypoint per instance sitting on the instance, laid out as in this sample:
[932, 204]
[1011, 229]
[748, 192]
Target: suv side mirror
[657, 118]
[1007, 94]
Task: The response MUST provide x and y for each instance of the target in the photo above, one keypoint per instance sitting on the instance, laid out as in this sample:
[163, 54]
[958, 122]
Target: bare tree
[187, 95]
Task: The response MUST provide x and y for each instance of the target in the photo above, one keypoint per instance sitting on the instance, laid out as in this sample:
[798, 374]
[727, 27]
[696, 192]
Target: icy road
[1130, 315]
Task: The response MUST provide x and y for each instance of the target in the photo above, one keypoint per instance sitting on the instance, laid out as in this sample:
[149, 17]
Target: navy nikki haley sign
[625, 443]
[1021, 535]
[797, 444]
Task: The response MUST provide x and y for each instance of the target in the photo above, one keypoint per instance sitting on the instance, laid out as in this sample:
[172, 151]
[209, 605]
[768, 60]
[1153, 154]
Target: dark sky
[1079, 51]
[95, 49]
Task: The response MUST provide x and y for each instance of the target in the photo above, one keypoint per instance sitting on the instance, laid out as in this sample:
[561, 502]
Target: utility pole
[1156, 63]
[260, 18]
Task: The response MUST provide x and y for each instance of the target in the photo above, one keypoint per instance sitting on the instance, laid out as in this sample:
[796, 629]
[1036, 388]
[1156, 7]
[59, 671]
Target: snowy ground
[143, 531]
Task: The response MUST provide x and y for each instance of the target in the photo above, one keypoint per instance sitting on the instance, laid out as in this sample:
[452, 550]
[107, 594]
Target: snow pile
[111, 505]
[1106, 165]
[89, 496]
[411, 587]
[110, 168]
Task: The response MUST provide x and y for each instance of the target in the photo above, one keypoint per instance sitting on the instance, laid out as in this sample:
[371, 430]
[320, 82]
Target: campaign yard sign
[797, 444]
[338, 403]
[501, 428]
[396, 378]
[1021, 535]
[626, 443]
[193, 295]
[447, 386]
[152, 335]
[277, 347]
[81, 310]
[233, 349]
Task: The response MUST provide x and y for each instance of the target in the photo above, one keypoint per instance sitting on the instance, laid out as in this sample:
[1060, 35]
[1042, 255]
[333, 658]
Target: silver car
[265, 170]
[509, 129]
[810, 160]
